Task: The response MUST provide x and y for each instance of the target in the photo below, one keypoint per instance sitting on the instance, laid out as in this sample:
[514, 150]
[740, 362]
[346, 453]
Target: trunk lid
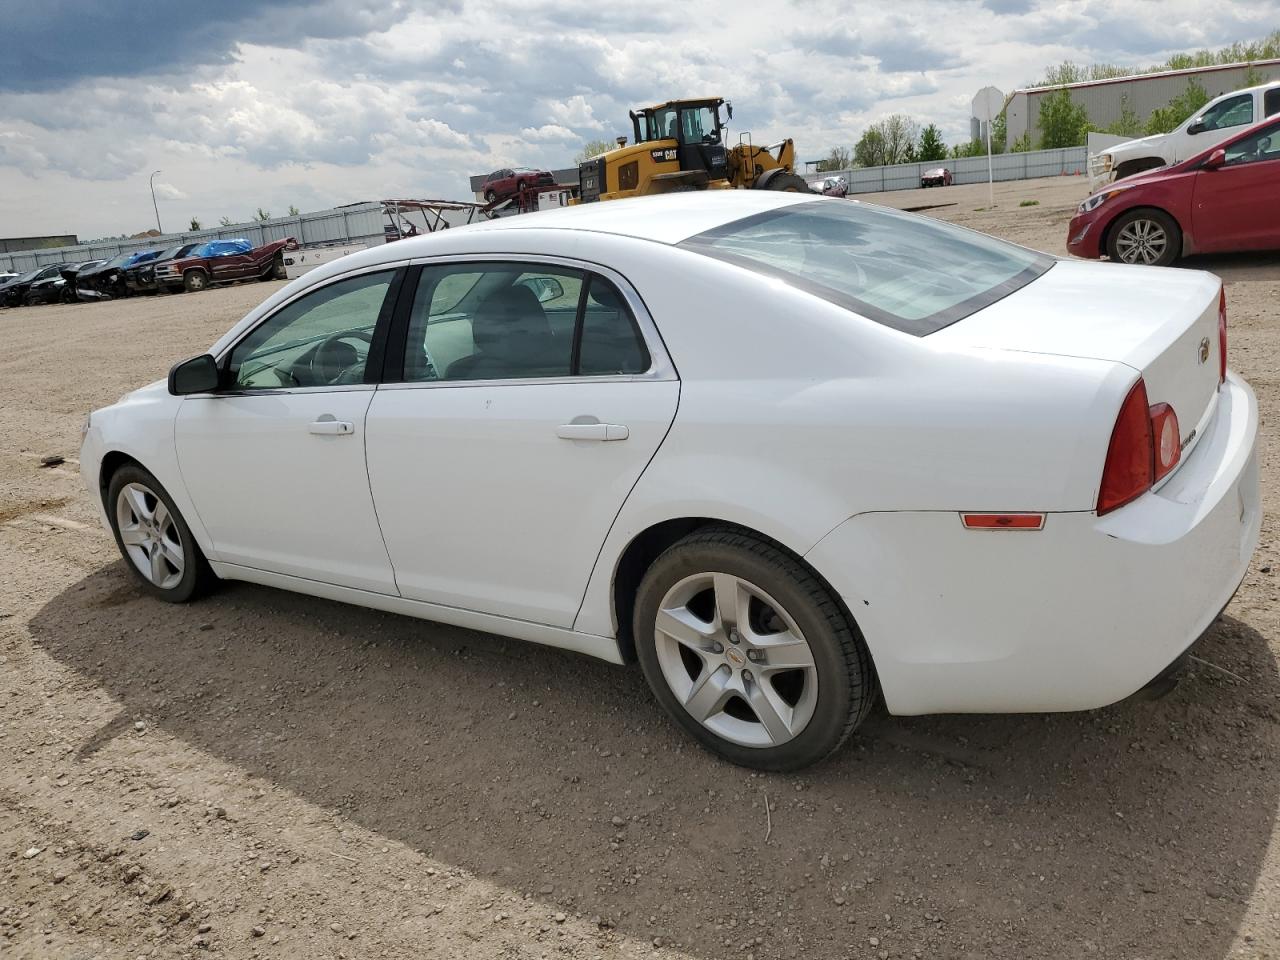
[1162, 322]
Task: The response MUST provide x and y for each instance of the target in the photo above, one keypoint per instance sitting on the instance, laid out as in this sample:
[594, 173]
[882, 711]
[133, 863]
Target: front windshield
[908, 272]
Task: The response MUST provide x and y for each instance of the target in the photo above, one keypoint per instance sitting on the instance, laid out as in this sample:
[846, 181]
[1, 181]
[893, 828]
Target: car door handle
[592, 431]
[329, 427]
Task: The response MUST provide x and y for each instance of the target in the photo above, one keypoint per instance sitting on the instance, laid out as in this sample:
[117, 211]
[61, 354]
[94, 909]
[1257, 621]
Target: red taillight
[1166, 439]
[1222, 336]
[1129, 471]
[1145, 446]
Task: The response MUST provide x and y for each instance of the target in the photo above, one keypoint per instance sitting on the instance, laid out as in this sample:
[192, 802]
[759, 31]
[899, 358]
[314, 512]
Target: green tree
[931, 146]
[1000, 133]
[224, 221]
[293, 211]
[262, 215]
[869, 150]
[840, 158]
[593, 148]
[1063, 122]
[195, 223]
[888, 141]
[1163, 119]
[1128, 125]
[1022, 144]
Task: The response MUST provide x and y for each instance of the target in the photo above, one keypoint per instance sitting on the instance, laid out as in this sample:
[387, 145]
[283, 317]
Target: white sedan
[786, 452]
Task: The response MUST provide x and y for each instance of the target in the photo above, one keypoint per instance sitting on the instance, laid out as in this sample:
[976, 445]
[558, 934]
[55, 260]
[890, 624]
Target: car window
[321, 339]
[912, 273]
[509, 321]
[1271, 102]
[496, 321]
[1263, 145]
[698, 125]
[1231, 112]
[611, 342]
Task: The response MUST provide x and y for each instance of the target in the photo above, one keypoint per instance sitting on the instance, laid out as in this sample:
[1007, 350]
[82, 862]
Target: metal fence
[356, 223]
[1004, 166]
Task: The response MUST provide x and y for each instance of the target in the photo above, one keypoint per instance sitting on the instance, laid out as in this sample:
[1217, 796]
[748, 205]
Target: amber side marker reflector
[1003, 521]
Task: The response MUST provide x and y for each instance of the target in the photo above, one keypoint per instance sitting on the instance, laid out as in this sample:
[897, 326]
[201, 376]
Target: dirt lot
[263, 774]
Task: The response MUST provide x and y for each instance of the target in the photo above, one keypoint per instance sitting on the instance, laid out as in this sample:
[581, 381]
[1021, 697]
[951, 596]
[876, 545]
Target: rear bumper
[1078, 615]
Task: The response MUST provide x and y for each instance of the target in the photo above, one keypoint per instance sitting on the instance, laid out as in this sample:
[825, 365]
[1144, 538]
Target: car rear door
[533, 394]
[1237, 205]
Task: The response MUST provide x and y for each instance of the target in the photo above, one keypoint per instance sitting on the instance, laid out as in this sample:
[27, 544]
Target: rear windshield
[912, 273]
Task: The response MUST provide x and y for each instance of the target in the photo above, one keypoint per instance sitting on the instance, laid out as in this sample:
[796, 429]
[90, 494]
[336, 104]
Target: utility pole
[153, 200]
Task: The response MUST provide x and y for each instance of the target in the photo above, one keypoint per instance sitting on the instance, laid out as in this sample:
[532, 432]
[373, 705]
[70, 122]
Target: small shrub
[1029, 203]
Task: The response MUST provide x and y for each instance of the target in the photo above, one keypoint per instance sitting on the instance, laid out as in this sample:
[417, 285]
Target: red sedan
[1224, 199]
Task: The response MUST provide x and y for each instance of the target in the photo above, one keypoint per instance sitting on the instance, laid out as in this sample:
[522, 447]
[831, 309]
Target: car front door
[533, 396]
[1237, 205]
[274, 461]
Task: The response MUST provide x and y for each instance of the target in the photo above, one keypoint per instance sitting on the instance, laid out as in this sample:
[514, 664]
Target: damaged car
[224, 261]
[14, 292]
[141, 277]
[106, 280]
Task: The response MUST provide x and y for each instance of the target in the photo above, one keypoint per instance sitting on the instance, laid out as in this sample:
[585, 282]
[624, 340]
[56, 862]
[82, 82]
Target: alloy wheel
[736, 660]
[150, 535]
[1141, 241]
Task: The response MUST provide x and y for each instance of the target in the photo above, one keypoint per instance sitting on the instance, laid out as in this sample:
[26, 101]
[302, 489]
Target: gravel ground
[263, 774]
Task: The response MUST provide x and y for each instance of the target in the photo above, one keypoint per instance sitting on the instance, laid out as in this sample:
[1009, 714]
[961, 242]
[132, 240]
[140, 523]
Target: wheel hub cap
[736, 660]
[150, 536]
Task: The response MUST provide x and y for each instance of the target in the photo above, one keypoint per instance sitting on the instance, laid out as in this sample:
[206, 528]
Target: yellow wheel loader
[679, 145]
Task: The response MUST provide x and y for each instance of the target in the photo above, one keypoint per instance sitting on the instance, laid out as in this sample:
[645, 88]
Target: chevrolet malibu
[788, 453]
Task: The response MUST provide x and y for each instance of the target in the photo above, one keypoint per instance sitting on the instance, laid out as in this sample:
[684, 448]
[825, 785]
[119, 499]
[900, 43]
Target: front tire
[749, 652]
[789, 182]
[154, 539]
[194, 281]
[1145, 236]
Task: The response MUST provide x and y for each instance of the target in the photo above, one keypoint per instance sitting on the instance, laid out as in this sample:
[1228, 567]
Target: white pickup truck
[1210, 125]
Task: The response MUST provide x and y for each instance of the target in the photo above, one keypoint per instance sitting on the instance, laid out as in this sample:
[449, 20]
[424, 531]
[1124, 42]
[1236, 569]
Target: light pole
[153, 200]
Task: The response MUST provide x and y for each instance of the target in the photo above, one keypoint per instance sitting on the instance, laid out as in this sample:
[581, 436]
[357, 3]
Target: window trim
[374, 362]
[661, 366]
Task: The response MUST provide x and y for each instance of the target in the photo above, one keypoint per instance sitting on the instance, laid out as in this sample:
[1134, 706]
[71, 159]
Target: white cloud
[409, 100]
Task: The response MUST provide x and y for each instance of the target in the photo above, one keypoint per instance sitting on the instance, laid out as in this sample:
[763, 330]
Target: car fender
[145, 435]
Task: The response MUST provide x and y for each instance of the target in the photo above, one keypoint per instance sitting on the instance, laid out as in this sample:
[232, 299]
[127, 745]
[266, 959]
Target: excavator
[679, 146]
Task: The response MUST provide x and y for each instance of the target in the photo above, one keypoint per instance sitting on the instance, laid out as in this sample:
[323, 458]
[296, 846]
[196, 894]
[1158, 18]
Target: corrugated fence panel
[355, 223]
[1005, 166]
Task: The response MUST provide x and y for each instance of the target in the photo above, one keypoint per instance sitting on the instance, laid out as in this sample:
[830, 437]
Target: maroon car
[224, 261]
[937, 177]
[1226, 198]
[511, 180]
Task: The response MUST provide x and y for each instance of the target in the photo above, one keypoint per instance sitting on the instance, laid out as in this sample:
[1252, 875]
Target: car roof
[669, 218]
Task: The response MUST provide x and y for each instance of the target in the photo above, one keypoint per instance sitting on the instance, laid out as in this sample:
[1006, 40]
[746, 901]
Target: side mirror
[1215, 159]
[1197, 127]
[197, 375]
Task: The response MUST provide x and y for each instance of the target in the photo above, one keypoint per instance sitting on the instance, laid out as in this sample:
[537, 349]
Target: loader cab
[697, 130]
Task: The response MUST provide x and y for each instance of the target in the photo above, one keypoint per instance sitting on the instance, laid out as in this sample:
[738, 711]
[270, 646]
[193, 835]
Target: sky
[315, 103]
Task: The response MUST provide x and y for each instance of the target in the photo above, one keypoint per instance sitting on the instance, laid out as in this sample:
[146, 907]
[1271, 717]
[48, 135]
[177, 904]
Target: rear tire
[194, 281]
[1144, 236]
[278, 271]
[154, 539]
[779, 682]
